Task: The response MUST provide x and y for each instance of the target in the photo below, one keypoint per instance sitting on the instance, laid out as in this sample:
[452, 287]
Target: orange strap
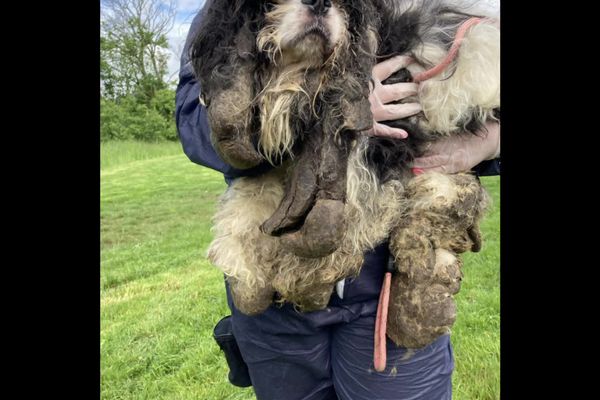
[380, 353]
[460, 34]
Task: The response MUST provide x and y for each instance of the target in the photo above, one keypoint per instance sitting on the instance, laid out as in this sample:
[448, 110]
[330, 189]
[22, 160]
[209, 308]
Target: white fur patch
[245, 205]
[243, 252]
[291, 18]
[444, 258]
[472, 85]
[433, 190]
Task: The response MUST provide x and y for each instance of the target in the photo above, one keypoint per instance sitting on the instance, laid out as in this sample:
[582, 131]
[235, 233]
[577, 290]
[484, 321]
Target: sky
[187, 9]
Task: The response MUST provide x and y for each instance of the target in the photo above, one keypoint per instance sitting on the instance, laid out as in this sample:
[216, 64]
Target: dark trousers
[328, 354]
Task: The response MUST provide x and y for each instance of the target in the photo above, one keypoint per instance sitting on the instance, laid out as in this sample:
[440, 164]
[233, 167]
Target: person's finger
[385, 69]
[392, 112]
[397, 91]
[382, 130]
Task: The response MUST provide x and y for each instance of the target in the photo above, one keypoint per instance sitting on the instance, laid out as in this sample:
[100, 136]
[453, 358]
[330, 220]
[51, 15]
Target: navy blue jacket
[194, 131]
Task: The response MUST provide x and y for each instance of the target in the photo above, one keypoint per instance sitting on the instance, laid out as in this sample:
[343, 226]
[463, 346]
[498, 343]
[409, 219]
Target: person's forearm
[461, 153]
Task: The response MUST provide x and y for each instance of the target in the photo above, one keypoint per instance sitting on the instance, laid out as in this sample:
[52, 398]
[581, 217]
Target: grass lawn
[160, 297]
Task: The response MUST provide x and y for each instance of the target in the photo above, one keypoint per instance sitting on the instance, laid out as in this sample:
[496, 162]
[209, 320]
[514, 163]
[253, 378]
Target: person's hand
[460, 153]
[381, 95]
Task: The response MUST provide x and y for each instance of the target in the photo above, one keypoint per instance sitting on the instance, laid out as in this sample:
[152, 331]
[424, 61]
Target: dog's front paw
[322, 231]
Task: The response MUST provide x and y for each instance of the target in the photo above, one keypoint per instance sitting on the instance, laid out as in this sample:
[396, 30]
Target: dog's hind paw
[419, 314]
[250, 300]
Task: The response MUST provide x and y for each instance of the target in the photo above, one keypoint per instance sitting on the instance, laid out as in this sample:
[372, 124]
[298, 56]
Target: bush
[164, 103]
[127, 119]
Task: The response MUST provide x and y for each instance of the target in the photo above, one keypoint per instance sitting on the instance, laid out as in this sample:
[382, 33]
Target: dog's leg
[325, 225]
[318, 181]
[247, 256]
[421, 304]
[300, 191]
[443, 221]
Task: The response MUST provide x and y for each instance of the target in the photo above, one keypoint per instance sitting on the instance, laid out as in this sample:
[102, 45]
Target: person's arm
[456, 154]
[192, 122]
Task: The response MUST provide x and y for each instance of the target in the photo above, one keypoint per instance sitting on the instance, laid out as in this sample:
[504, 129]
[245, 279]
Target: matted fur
[284, 92]
[467, 93]
[291, 85]
[294, 88]
[470, 88]
[442, 222]
[257, 262]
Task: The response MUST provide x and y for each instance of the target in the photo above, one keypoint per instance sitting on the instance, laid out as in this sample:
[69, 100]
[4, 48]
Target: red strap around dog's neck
[460, 34]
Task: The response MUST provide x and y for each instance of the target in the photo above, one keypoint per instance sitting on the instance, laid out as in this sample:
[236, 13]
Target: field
[160, 297]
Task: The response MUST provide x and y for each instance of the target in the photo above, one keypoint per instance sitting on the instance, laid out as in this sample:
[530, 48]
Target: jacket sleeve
[192, 122]
[488, 168]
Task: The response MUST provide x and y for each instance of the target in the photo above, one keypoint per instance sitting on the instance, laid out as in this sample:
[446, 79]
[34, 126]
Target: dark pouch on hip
[238, 370]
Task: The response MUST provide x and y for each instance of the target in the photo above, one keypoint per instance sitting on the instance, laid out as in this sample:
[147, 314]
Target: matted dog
[288, 81]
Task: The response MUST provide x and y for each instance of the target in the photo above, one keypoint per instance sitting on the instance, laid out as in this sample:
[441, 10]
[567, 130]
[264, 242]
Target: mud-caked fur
[442, 222]
[301, 104]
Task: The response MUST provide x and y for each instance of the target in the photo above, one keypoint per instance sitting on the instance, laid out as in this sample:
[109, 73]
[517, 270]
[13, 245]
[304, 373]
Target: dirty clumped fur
[287, 82]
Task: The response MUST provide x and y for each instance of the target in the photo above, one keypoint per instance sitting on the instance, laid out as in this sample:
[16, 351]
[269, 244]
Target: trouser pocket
[238, 370]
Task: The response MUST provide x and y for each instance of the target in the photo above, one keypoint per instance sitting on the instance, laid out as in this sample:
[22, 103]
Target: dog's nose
[319, 7]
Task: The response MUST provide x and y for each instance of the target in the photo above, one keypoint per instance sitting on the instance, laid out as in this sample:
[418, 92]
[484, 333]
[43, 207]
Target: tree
[133, 46]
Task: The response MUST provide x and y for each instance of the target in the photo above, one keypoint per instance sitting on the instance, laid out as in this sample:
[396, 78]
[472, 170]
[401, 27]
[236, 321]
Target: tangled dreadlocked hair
[287, 81]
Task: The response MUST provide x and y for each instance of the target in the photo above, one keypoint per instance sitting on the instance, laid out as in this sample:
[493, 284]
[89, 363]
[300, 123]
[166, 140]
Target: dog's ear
[225, 34]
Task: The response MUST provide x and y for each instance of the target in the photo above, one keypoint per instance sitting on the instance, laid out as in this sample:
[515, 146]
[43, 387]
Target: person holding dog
[326, 354]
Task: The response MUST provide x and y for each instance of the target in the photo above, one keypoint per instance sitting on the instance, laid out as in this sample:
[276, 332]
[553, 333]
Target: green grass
[123, 152]
[476, 333]
[160, 297]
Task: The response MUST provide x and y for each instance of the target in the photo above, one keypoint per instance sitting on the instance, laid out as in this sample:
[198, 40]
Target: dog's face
[303, 29]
